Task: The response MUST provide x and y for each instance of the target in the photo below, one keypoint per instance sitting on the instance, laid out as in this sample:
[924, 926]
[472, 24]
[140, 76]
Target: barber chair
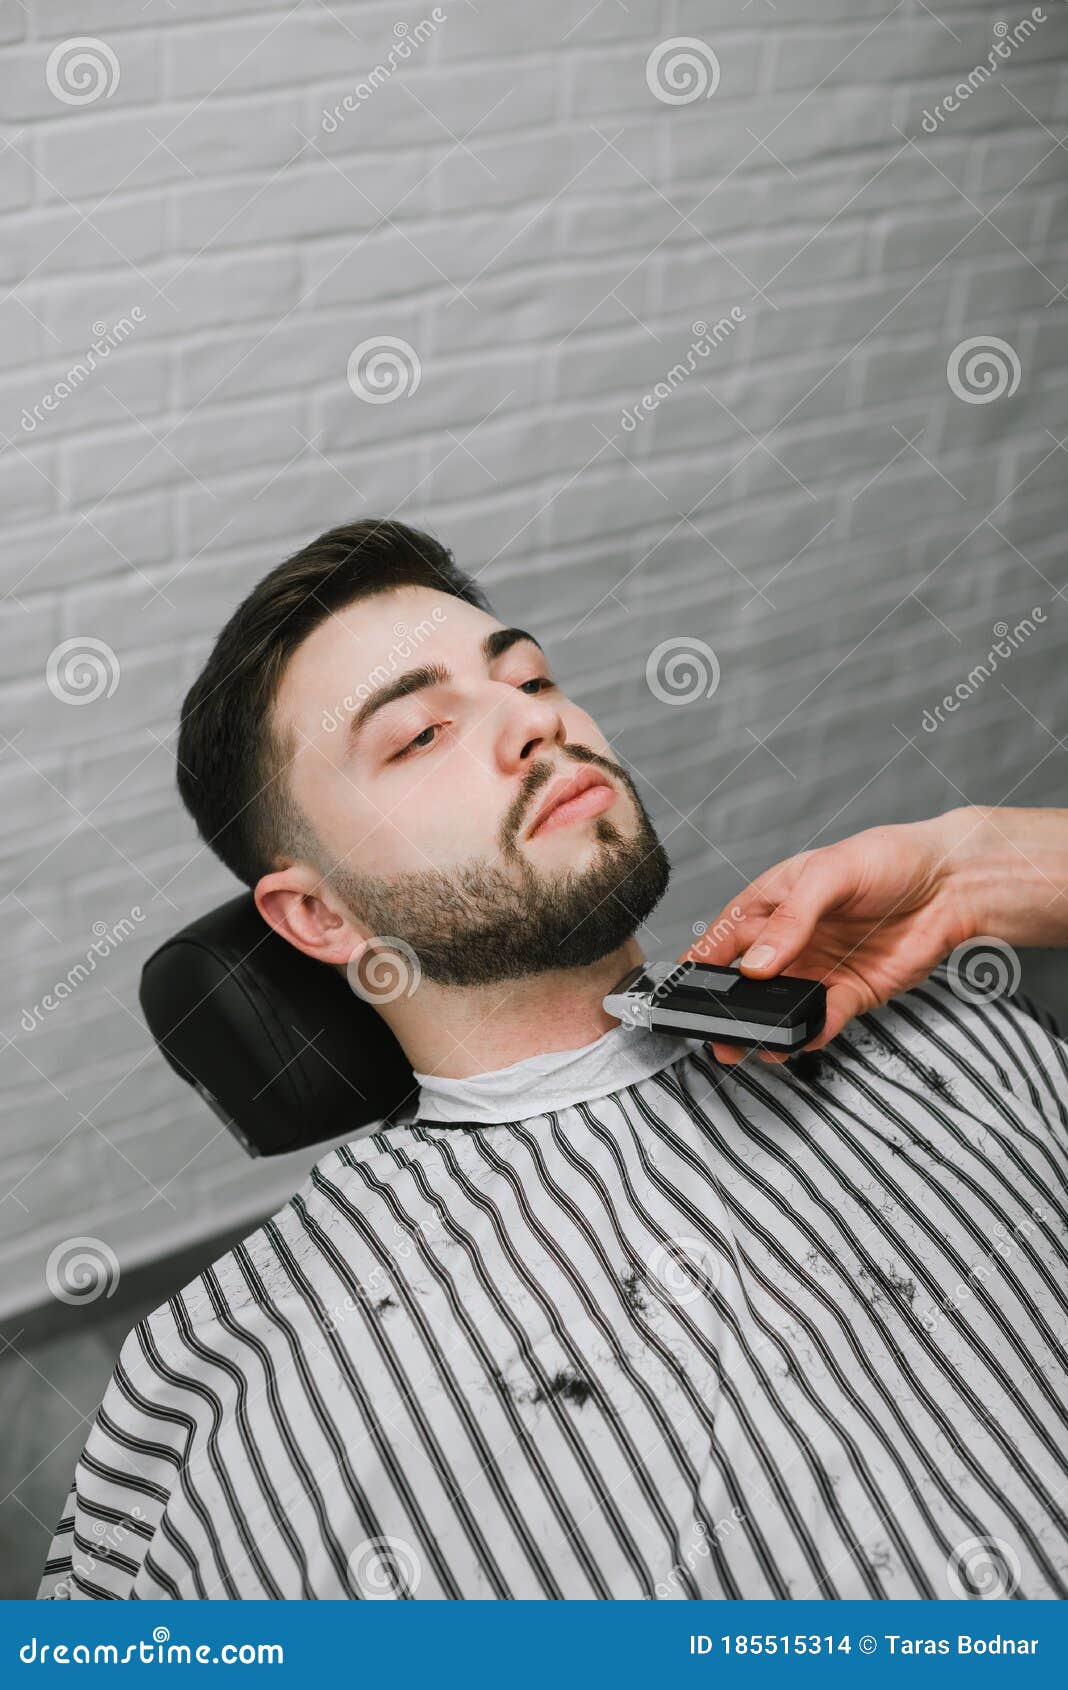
[279, 1046]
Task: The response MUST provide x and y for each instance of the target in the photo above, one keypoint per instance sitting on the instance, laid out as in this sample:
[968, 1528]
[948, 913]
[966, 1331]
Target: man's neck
[459, 1032]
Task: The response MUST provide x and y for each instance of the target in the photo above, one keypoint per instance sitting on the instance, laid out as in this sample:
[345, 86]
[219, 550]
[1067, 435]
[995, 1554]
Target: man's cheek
[583, 730]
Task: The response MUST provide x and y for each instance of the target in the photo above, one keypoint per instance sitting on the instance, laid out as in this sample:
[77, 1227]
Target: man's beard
[483, 922]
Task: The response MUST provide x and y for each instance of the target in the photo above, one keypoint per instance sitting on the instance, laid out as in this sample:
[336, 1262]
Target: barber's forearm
[1008, 871]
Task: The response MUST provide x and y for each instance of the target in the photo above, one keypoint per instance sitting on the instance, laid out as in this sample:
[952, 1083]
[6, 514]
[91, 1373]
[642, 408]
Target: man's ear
[296, 902]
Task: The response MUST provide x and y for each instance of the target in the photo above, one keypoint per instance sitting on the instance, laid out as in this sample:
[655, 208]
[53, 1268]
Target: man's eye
[542, 682]
[413, 745]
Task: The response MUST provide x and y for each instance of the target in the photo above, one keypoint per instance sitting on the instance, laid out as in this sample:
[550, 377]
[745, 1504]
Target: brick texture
[516, 200]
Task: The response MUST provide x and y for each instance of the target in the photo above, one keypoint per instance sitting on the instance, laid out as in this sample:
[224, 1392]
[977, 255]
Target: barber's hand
[870, 917]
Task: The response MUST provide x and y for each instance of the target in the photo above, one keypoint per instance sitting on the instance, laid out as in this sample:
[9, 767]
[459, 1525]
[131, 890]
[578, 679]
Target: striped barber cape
[619, 1322]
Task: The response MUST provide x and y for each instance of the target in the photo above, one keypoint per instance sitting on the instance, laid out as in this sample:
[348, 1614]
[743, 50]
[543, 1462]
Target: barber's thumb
[826, 881]
[780, 939]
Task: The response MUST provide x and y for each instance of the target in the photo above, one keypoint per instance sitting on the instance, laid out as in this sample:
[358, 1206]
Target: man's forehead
[379, 631]
[361, 648]
[372, 627]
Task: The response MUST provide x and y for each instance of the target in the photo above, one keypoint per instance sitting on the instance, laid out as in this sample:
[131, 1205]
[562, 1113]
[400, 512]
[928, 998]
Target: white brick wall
[814, 502]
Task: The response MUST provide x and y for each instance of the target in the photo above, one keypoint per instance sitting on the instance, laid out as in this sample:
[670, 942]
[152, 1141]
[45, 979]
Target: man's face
[424, 797]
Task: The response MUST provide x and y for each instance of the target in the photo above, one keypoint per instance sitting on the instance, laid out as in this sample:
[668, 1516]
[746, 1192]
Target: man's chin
[603, 904]
[484, 923]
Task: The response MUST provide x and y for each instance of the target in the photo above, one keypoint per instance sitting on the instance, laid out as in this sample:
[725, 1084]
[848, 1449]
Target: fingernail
[759, 956]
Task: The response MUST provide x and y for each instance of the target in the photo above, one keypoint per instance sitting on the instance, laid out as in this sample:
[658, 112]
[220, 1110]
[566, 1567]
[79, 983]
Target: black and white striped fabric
[751, 1332]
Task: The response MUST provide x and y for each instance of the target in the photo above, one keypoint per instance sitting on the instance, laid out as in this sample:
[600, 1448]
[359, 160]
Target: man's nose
[533, 726]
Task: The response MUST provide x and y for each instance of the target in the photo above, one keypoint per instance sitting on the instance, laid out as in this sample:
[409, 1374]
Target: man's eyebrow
[494, 645]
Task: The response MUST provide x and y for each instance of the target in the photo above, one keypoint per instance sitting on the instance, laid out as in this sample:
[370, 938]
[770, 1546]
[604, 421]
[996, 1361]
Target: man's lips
[585, 793]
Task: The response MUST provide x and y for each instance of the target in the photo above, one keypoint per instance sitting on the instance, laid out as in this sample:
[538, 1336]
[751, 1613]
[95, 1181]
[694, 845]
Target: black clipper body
[700, 1001]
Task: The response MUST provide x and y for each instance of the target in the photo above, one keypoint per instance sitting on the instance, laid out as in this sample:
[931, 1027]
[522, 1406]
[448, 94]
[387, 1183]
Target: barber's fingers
[826, 880]
[845, 1000]
[737, 923]
[717, 942]
[736, 929]
[727, 1055]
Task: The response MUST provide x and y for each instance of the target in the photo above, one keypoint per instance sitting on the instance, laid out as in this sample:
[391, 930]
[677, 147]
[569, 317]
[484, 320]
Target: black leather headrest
[279, 1045]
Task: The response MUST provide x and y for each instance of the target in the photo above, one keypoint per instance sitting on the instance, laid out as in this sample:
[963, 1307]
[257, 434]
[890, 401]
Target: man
[596, 1317]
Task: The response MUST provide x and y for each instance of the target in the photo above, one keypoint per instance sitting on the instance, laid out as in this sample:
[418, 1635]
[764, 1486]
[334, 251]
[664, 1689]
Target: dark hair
[231, 761]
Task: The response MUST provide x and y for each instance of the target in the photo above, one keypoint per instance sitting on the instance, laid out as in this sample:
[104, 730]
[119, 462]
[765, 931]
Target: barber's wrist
[1005, 872]
[962, 841]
